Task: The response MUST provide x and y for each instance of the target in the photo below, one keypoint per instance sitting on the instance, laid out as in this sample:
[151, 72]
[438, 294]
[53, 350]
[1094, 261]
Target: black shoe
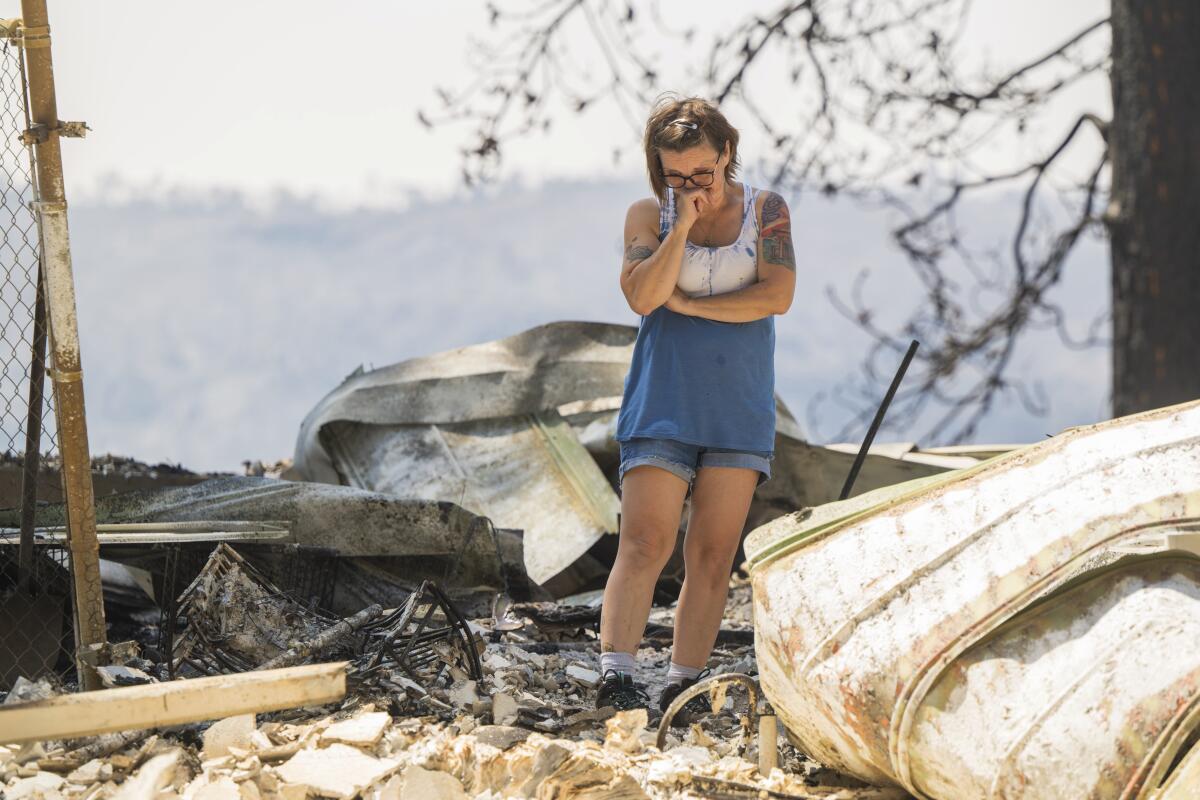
[696, 707]
[619, 691]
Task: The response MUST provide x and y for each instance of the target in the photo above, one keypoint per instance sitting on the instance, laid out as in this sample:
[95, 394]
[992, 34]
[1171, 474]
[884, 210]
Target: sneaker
[619, 691]
[696, 707]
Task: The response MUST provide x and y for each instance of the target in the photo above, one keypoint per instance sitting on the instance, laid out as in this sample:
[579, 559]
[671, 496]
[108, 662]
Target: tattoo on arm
[637, 252]
[777, 233]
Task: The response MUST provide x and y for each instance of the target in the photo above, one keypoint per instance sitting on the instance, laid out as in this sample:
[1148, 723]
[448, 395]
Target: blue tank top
[702, 381]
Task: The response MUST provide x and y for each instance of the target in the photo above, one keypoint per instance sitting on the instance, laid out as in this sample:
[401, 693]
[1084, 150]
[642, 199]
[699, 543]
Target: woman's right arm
[650, 268]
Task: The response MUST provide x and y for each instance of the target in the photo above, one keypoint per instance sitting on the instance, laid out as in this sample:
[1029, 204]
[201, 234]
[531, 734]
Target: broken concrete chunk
[249, 791]
[504, 709]
[362, 731]
[230, 732]
[223, 788]
[583, 675]
[114, 676]
[501, 737]
[462, 694]
[92, 772]
[536, 660]
[34, 787]
[425, 784]
[336, 771]
[292, 791]
[154, 775]
[26, 691]
[495, 661]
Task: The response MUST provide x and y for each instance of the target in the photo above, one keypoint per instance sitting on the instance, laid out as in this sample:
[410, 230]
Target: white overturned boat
[979, 633]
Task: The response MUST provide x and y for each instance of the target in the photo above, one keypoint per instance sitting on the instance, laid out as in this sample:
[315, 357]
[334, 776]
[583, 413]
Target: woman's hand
[679, 302]
[689, 205]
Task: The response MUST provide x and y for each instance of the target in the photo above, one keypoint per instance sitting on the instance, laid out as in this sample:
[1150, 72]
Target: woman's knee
[646, 548]
[709, 560]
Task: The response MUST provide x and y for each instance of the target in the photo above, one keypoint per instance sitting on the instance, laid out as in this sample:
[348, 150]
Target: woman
[708, 263]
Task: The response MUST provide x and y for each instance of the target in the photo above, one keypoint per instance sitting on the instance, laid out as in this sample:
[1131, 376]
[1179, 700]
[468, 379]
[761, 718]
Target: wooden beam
[172, 703]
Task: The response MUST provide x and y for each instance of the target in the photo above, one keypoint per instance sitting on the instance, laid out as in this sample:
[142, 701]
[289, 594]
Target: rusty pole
[67, 370]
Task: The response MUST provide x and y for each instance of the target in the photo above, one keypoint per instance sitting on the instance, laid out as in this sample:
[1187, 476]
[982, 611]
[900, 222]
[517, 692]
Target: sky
[256, 212]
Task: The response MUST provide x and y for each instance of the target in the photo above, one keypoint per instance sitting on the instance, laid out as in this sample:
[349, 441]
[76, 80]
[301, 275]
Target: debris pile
[368, 753]
[524, 725]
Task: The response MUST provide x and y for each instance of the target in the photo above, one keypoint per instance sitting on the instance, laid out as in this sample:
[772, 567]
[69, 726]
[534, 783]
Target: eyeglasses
[698, 179]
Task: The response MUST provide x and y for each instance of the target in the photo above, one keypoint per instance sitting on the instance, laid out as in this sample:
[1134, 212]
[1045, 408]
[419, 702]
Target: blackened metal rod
[887, 399]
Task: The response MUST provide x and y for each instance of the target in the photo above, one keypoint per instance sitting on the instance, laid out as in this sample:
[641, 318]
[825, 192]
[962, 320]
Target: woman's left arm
[772, 293]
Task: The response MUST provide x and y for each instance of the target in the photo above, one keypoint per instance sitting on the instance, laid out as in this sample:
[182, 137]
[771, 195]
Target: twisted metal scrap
[702, 687]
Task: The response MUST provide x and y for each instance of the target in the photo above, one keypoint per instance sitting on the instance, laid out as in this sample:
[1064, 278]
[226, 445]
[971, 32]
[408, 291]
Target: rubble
[524, 726]
[335, 771]
[228, 733]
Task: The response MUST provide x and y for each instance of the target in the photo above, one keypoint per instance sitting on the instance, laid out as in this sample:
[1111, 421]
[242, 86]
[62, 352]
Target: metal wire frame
[31, 575]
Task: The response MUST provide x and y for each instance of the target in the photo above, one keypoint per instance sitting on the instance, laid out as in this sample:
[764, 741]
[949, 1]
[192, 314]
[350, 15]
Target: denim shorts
[683, 459]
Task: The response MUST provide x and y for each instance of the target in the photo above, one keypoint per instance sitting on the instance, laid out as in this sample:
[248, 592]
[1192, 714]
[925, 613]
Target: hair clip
[684, 123]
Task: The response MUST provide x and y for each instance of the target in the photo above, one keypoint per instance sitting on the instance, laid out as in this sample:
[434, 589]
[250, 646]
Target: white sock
[621, 662]
[677, 673]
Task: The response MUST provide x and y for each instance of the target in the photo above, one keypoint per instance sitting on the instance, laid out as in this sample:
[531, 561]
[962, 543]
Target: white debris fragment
[365, 730]
[463, 694]
[536, 660]
[27, 691]
[504, 709]
[495, 661]
[335, 771]
[116, 675]
[35, 786]
[292, 791]
[153, 776]
[229, 732]
[93, 771]
[223, 788]
[425, 784]
[583, 675]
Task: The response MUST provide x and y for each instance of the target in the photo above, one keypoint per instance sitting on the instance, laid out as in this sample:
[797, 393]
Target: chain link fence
[35, 585]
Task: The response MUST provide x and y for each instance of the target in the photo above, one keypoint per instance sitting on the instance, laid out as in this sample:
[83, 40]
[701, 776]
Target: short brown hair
[661, 134]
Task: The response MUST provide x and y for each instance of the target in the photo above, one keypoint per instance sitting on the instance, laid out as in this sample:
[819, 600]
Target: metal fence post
[67, 371]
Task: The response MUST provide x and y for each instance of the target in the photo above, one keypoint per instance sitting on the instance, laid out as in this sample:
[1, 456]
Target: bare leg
[720, 502]
[651, 506]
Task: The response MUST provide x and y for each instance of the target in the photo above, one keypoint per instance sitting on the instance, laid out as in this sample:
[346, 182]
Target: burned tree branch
[887, 73]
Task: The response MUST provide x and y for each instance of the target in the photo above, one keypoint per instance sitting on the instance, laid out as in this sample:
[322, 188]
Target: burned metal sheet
[861, 606]
[386, 544]
[527, 472]
[478, 426]
[536, 370]
[482, 426]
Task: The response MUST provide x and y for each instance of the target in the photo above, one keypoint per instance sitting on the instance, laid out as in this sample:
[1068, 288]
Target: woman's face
[698, 159]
